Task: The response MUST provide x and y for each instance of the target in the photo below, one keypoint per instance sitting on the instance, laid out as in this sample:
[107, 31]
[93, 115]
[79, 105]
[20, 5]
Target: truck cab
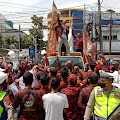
[76, 60]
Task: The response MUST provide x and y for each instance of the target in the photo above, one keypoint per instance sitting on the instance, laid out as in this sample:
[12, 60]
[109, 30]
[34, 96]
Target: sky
[21, 11]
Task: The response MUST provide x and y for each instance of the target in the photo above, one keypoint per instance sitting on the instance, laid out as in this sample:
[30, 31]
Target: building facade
[6, 28]
[75, 19]
[66, 14]
[93, 18]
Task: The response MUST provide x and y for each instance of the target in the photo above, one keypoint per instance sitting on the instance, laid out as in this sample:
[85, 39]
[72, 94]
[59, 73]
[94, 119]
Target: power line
[25, 15]
[8, 3]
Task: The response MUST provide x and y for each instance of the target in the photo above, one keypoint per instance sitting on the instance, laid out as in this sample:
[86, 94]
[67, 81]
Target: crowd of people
[41, 92]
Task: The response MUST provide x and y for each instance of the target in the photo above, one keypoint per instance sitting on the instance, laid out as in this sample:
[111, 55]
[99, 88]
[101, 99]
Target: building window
[105, 37]
[118, 14]
[67, 21]
[72, 12]
[64, 13]
[114, 37]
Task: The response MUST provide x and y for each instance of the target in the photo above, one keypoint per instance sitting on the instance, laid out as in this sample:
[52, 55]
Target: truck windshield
[77, 61]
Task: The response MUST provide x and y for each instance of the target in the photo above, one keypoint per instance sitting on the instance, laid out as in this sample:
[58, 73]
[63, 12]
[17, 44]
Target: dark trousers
[79, 50]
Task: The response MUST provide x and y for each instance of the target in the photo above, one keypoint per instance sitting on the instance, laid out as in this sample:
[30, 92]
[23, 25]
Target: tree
[9, 42]
[27, 42]
[37, 29]
[1, 40]
[44, 44]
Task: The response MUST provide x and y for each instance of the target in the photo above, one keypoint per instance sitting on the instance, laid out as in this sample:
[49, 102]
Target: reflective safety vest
[3, 112]
[104, 105]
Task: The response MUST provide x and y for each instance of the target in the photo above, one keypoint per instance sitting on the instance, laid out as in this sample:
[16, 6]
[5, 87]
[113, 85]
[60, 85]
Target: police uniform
[102, 102]
[6, 109]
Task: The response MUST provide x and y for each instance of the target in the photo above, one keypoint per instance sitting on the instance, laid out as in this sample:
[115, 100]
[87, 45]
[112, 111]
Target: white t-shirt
[54, 105]
[64, 33]
[21, 84]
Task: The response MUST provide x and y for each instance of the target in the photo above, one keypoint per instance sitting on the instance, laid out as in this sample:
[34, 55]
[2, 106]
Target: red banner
[88, 46]
[52, 41]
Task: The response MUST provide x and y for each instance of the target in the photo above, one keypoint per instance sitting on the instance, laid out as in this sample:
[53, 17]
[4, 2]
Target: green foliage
[27, 42]
[9, 42]
[37, 30]
[1, 40]
[44, 44]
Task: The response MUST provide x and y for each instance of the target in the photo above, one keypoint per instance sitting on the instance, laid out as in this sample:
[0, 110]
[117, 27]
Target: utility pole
[110, 37]
[110, 34]
[92, 27]
[40, 48]
[96, 40]
[100, 32]
[19, 40]
[84, 16]
[35, 41]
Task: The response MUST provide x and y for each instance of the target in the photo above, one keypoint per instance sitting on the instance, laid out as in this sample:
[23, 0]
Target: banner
[52, 41]
[88, 46]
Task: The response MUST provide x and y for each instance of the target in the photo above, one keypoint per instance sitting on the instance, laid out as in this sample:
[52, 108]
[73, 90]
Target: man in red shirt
[72, 93]
[85, 93]
[30, 101]
[11, 73]
[92, 65]
[22, 69]
[45, 84]
[79, 42]
[8, 69]
[52, 72]
[43, 87]
[38, 86]
[106, 65]
[64, 77]
[63, 37]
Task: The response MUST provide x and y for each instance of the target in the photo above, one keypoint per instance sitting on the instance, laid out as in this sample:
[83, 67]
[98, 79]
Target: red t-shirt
[63, 84]
[97, 68]
[72, 96]
[79, 43]
[33, 107]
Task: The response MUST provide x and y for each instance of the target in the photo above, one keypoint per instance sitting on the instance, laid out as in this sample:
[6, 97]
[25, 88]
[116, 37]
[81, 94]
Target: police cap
[3, 77]
[104, 74]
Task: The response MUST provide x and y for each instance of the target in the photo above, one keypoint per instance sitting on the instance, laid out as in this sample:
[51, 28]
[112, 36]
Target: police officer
[6, 109]
[103, 99]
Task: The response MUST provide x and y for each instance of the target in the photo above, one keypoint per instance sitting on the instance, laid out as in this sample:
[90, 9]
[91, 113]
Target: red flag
[88, 46]
[52, 41]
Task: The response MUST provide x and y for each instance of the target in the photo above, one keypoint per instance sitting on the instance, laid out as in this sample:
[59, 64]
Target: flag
[52, 41]
[70, 39]
[54, 8]
[88, 46]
